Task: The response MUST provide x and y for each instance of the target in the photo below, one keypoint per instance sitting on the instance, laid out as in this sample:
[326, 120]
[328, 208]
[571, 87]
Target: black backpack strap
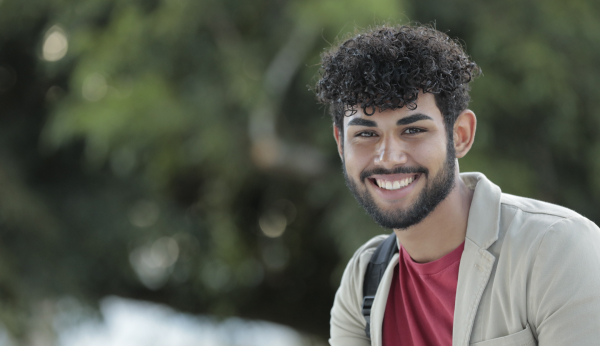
[379, 261]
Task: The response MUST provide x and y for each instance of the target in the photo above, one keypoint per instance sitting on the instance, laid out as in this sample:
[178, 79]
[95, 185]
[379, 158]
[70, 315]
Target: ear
[339, 139]
[464, 132]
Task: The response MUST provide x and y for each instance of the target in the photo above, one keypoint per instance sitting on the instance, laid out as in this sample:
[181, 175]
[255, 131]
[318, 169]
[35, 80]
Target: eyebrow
[413, 118]
[362, 122]
[404, 121]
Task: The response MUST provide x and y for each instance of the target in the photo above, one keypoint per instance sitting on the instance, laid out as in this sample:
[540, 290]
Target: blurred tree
[169, 150]
[160, 147]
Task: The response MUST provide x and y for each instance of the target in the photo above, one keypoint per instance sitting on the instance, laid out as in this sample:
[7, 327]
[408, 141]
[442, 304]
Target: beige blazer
[529, 275]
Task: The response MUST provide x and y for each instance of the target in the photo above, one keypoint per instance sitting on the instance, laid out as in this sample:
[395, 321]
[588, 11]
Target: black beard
[434, 193]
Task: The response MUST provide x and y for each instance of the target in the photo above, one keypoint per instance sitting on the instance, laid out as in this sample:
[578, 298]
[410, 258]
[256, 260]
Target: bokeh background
[170, 151]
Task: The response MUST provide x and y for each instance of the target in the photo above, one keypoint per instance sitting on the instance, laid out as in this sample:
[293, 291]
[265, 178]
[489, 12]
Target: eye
[366, 134]
[413, 131]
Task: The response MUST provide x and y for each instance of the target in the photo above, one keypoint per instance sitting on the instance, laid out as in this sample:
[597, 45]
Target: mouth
[394, 181]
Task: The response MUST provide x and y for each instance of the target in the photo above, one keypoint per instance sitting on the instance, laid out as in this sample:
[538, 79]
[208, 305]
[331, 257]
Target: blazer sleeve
[564, 297]
[347, 322]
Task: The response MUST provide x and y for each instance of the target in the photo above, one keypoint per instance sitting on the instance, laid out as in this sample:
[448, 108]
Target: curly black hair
[386, 67]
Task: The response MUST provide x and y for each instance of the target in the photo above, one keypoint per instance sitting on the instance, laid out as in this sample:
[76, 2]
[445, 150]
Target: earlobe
[464, 132]
[339, 139]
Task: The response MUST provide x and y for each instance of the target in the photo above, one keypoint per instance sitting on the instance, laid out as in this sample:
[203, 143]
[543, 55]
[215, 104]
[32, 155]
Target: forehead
[425, 105]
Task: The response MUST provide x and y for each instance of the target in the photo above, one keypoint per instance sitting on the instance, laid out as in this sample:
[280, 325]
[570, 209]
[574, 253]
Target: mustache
[398, 170]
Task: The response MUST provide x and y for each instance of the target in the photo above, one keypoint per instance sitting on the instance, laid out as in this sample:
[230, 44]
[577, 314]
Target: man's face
[398, 164]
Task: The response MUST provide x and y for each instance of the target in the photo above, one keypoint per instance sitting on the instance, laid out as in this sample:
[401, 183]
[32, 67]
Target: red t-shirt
[420, 306]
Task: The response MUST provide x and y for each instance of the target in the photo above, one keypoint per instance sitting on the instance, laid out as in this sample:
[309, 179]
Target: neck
[441, 231]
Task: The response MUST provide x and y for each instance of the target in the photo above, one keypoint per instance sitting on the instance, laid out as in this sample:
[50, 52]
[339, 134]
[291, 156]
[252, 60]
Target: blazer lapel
[473, 274]
[476, 263]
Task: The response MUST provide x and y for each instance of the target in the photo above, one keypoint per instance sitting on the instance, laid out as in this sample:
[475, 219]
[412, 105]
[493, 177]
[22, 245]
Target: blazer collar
[484, 214]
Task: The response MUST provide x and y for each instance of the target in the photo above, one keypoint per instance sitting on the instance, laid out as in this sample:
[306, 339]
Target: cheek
[357, 157]
[431, 154]
[424, 149]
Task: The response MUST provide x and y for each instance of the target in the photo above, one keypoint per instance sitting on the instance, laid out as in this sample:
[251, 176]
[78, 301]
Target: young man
[475, 266]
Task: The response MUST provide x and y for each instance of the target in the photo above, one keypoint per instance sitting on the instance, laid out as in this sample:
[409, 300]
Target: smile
[394, 185]
[388, 183]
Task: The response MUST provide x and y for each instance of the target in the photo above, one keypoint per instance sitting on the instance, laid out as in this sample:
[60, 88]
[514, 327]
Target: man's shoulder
[526, 221]
[534, 206]
[353, 277]
[533, 216]
[357, 265]
[364, 253]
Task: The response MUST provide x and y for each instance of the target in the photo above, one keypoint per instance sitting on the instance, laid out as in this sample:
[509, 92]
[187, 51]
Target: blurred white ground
[135, 323]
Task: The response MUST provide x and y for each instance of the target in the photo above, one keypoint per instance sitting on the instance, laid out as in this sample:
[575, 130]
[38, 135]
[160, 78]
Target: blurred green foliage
[174, 153]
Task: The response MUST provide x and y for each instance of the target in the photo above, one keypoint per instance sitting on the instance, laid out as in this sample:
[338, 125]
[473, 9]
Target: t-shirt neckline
[436, 266]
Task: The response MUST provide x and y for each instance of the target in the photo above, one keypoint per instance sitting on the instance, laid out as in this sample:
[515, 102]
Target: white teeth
[388, 185]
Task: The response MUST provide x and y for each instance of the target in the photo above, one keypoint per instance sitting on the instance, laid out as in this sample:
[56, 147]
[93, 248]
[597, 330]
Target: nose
[390, 153]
